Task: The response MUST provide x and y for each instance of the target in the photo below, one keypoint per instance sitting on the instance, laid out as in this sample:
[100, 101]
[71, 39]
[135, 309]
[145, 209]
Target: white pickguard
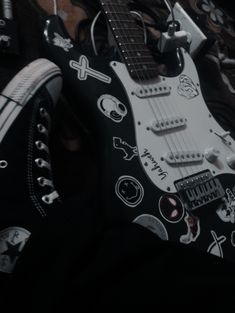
[200, 133]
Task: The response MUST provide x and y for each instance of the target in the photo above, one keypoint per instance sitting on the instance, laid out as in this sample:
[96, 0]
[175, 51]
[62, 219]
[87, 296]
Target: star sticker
[12, 251]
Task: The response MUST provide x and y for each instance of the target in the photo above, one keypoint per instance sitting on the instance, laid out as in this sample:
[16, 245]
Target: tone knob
[231, 161]
[211, 154]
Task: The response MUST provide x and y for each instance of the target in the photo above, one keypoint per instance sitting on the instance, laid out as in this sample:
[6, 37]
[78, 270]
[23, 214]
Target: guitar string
[178, 136]
[151, 105]
[175, 141]
[138, 75]
[182, 140]
[185, 134]
[188, 138]
[182, 134]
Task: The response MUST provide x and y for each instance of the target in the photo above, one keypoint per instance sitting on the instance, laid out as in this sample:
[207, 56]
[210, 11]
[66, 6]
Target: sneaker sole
[22, 88]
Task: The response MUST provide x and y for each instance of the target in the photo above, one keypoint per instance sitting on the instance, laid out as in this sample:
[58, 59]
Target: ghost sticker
[226, 210]
[153, 224]
[193, 225]
[12, 242]
[129, 190]
[187, 88]
[128, 150]
[171, 208]
[112, 108]
[215, 247]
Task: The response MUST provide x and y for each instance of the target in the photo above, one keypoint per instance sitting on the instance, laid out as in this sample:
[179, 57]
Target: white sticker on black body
[112, 108]
[128, 150]
[187, 88]
[193, 225]
[64, 43]
[233, 238]
[226, 210]
[215, 247]
[129, 190]
[153, 224]
[83, 70]
[171, 208]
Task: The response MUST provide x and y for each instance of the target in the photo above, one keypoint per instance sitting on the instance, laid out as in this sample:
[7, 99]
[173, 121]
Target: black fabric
[29, 47]
[79, 263]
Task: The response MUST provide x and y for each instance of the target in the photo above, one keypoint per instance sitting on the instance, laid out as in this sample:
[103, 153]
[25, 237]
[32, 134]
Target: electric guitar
[167, 164]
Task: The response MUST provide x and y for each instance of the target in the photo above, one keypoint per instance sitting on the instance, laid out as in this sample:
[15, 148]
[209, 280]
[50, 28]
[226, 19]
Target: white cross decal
[83, 69]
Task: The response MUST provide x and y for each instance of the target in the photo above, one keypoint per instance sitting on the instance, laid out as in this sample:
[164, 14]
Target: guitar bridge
[199, 190]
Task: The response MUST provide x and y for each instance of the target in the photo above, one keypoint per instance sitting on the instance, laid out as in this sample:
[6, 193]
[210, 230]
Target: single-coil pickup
[149, 91]
[168, 123]
[174, 158]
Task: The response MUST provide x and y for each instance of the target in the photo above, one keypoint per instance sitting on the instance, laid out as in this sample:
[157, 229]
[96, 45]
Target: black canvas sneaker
[26, 184]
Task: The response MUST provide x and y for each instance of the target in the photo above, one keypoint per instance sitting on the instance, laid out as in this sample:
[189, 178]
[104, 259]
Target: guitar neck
[130, 40]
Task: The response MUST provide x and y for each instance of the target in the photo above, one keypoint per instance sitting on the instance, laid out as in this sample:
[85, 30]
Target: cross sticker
[83, 70]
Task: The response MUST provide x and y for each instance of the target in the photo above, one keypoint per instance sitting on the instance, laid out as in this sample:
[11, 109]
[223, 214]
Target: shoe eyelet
[42, 129]
[39, 162]
[50, 198]
[3, 163]
[42, 163]
[41, 146]
[43, 112]
[41, 181]
[46, 199]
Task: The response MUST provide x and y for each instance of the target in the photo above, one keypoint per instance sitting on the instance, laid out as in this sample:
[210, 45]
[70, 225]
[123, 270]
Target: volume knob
[211, 154]
[231, 161]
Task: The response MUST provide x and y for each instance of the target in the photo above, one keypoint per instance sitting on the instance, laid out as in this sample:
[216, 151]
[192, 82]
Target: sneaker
[27, 189]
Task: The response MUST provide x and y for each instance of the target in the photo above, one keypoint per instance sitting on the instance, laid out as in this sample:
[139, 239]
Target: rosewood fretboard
[130, 40]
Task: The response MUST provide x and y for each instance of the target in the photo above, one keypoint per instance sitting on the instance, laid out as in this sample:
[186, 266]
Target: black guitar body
[127, 191]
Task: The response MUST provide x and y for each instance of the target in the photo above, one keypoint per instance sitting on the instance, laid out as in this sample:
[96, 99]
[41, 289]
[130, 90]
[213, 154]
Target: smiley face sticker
[129, 190]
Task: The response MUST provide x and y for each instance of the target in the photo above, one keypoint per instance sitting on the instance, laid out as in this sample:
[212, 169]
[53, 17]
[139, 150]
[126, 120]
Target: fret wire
[141, 69]
[137, 58]
[149, 56]
[121, 20]
[139, 50]
[124, 28]
[131, 44]
[113, 4]
[130, 23]
[117, 12]
[122, 33]
[130, 36]
[124, 36]
[143, 64]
